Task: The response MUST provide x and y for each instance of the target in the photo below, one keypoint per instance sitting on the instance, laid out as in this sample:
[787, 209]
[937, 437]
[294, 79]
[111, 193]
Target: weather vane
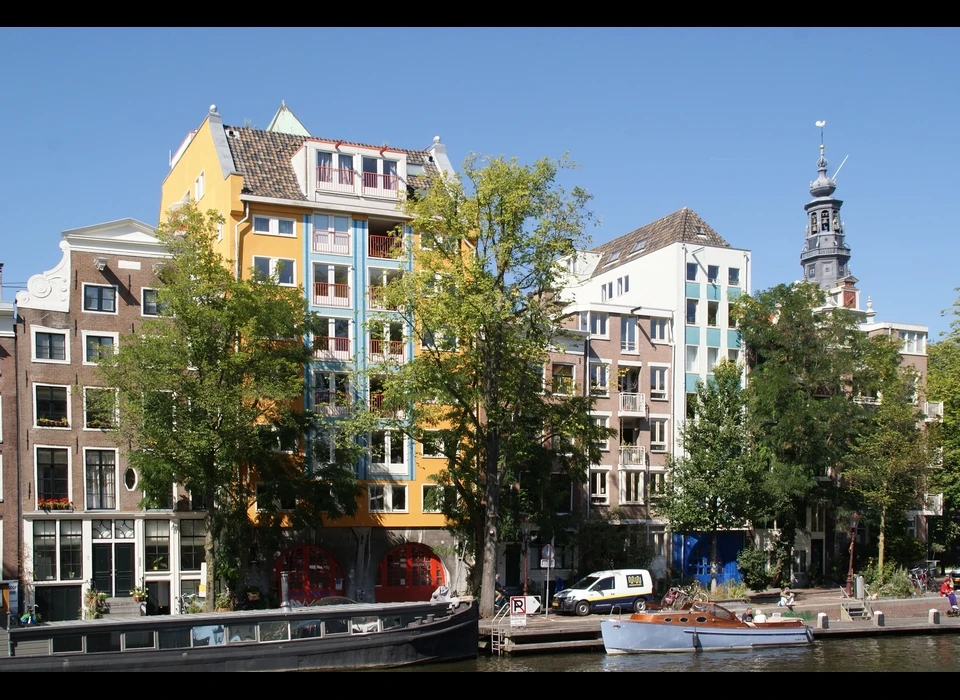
[821, 124]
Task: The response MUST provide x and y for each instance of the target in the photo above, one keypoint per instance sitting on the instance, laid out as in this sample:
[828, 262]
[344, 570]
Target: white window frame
[733, 354]
[599, 478]
[116, 299]
[199, 188]
[52, 331]
[655, 477]
[695, 268]
[730, 280]
[143, 305]
[696, 311]
[572, 377]
[116, 479]
[273, 226]
[423, 446]
[659, 329]
[712, 363]
[657, 394]
[625, 474]
[388, 467]
[273, 267]
[97, 334]
[423, 496]
[661, 444]
[696, 359]
[716, 278]
[36, 470]
[604, 420]
[598, 387]
[69, 402]
[116, 412]
[629, 327]
[623, 285]
[715, 305]
[387, 494]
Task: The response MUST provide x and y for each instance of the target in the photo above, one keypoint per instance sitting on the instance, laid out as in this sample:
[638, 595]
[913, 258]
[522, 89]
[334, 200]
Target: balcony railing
[381, 185]
[336, 179]
[933, 411]
[327, 348]
[378, 406]
[337, 242]
[377, 300]
[327, 294]
[389, 247]
[386, 347]
[633, 403]
[331, 403]
[633, 456]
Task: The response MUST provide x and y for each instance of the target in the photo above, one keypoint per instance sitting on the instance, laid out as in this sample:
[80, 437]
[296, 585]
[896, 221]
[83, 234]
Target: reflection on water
[913, 653]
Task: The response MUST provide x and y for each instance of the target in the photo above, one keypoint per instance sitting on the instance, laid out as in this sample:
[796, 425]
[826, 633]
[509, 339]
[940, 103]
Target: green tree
[483, 306]
[605, 543]
[208, 397]
[715, 483]
[888, 464]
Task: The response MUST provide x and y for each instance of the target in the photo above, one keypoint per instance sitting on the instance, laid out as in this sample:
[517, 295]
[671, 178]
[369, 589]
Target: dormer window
[334, 169]
[379, 174]
[824, 221]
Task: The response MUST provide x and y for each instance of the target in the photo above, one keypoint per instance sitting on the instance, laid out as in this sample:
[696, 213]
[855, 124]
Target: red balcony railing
[331, 403]
[381, 185]
[324, 346]
[385, 246]
[337, 242]
[327, 294]
[378, 405]
[377, 300]
[386, 347]
[335, 179]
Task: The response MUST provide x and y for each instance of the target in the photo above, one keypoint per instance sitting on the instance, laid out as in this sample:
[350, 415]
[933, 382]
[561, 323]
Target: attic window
[700, 231]
[614, 256]
[640, 245]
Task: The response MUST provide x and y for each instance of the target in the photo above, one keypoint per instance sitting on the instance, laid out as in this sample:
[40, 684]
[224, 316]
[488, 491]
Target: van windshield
[585, 583]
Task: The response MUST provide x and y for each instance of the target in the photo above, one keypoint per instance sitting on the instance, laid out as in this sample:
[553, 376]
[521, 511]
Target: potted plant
[139, 594]
[159, 563]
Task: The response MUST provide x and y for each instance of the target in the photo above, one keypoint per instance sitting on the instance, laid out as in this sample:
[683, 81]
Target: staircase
[853, 609]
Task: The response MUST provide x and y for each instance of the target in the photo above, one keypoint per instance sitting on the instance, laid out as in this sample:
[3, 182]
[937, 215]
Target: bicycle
[186, 602]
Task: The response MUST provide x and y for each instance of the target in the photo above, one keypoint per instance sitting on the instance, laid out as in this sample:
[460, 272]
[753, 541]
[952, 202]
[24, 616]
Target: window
[52, 474]
[824, 221]
[156, 545]
[433, 443]
[713, 357]
[658, 383]
[691, 272]
[598, 487]
[731, 318]
[192, 536]
[658, 329]
[594, 321]
[628, 334]
[386, 450]
[99, 298]
[45, 550]
[331, 234]
[692, 312]
[50, 346]
[606, 291]
[692, 360]
[811, 271]
[631, 486]
[913, 342]
[282, 268]
[99, 408]
[733, 354]
[388, 498]
[658, 482]
[562, 379]
[640, 245]
[198, 188]
[101, 479]
[623, 285]
[436, 498]
[273, 226]
[602, 422]
[51, 406]
[713, 273]
[733, 276]
[599, 379]
[713, 309]
[840, 269]
[97, 347]
[148, 304]
[264, 496]
[658, 434]
[71, 550]
[658, 540]
[341, 175]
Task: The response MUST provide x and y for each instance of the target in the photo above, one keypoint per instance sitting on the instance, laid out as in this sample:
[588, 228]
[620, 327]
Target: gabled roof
[264, 160]
[683, 226]
[286, 122]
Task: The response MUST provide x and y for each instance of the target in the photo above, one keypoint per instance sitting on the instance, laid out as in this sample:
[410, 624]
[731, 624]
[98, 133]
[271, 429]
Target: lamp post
[854, 519]
[526, 527]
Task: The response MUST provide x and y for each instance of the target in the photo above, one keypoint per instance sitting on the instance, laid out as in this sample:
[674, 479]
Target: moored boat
[352, 636]
[699, 626]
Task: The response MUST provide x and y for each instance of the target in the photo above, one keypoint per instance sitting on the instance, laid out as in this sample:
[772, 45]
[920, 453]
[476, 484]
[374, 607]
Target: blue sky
[718, 120]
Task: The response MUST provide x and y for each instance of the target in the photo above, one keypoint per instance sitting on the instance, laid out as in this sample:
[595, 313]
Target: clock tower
[825, 256]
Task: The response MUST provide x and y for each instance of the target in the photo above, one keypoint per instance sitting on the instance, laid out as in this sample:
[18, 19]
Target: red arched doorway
[313, 573]
[409, 572]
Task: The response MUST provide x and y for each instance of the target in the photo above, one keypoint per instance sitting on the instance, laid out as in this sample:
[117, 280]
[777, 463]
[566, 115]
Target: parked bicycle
[677, 596]
[922, 580]
[187, 603]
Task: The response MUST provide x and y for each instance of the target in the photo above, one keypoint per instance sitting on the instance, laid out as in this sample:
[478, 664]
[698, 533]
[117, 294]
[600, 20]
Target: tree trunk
[209, 556]
[713, 564]
[490, 536]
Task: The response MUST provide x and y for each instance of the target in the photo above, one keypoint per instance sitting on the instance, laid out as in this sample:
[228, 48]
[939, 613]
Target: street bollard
[878, 618]
[933, 616]
[823, 622]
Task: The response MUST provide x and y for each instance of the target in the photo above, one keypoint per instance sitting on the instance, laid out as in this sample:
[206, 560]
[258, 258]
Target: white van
[621, 590]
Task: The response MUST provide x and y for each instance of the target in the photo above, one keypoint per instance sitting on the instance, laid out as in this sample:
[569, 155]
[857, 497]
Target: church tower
[825, 257]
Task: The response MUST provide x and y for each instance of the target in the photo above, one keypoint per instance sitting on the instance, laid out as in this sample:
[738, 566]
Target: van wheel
[583, 608]
[639, 605]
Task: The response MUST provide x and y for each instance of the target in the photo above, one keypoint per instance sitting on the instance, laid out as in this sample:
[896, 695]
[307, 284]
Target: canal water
[913, 653]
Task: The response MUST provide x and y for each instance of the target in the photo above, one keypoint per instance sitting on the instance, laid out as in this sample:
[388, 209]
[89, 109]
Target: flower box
[53, 422]
[54, 504]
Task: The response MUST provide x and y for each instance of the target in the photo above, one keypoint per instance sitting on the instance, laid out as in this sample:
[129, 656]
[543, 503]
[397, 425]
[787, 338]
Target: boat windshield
[585, 583]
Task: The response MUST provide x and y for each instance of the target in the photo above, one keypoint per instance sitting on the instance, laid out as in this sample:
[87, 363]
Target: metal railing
[327, 294]
[337, 242]
[381, 185]
[631, 402]
[389, 247]
[336, 179]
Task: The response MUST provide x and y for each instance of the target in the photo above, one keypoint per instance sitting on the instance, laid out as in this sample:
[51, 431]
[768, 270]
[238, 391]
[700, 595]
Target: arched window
[824, 221]
[312, 573]
[813, 223]
[409, 572]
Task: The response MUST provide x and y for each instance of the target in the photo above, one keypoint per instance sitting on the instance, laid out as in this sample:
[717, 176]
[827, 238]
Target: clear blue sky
[718, 120]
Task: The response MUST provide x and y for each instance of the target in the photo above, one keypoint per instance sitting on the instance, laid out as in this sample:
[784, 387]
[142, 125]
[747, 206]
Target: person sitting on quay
[786, 598]
[946, 591]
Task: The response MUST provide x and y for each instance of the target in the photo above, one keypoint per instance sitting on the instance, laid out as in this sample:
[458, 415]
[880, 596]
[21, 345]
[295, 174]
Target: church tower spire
[825, 256]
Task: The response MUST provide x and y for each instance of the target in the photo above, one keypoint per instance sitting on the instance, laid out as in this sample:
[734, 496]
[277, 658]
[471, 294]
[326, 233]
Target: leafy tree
[605, 543]
[715, 482]
[806, 362]
[483, 307]
[209, 394]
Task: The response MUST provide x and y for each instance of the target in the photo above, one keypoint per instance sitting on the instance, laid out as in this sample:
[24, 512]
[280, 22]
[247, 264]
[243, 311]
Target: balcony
[336, 179]
[389, 247]
[337, 242]
[378, 406]
[633, 403]
[386, 348]
[331, 348]
[377, 301]
[375, 185]
[634, 456]
[933, 411]
[866, 400]
[327, 294]
[330, 403]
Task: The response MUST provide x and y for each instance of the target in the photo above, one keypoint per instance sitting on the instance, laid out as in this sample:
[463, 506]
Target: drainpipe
[236, 241]
[16, 402]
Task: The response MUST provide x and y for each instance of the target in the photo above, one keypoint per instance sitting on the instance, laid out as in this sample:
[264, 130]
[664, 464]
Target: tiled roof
[263, 158]
[683, 226]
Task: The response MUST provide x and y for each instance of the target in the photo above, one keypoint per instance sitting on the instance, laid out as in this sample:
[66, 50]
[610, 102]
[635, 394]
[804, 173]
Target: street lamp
[526, 527]
[854, 519]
